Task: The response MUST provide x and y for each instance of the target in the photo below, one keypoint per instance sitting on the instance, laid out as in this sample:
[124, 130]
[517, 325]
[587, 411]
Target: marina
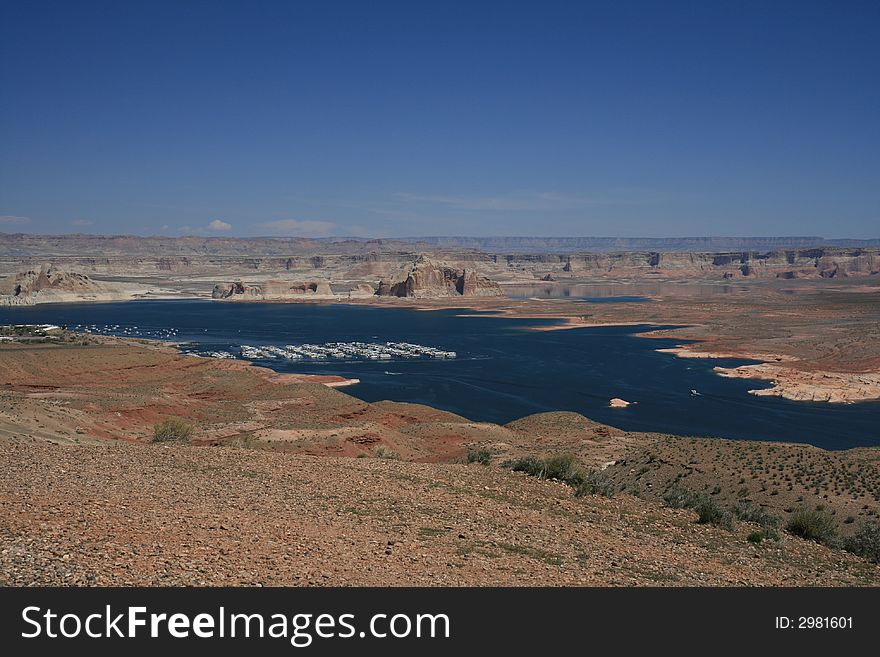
[340, 351]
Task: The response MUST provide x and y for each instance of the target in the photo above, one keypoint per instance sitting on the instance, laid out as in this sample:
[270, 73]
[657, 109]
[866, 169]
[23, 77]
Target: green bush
[173, 429]
[748, 511]
[710, 512]
[766, 534]
[679, 497]
[383, 452]
[562, 467]
[814, 524]
[479, 455]
[595, 483]
[865, 542]
[530, 465]
[567, 469]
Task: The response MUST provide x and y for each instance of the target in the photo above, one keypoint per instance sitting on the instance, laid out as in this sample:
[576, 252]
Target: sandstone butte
[426, 278]
[51, 284]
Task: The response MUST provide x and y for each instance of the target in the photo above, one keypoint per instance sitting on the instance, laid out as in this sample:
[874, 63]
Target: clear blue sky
[440, 118]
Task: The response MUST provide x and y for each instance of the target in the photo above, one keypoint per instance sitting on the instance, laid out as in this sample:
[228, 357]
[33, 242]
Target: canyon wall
[373, 266]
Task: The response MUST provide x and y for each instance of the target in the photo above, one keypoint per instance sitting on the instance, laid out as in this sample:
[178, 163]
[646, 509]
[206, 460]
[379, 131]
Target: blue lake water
[503, 370]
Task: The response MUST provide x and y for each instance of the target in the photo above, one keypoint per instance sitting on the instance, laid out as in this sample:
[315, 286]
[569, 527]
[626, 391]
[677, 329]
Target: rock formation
[52, 284]
[281, 288]
[272, 289]
[426, 278]
[815, 386]
[235, 289]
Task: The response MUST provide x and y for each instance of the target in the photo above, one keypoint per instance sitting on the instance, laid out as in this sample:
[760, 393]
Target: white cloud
[14, 221]
[81, 222]
[297, 228]
[219, 225]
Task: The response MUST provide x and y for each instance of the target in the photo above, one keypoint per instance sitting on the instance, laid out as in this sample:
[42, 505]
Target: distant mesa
[740, 265]
[426, 278]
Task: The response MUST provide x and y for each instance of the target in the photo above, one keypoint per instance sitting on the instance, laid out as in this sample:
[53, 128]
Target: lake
[502, 370]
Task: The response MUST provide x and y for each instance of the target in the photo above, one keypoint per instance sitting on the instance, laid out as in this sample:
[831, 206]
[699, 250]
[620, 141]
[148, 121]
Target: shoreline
[333, 382]
[788, 382]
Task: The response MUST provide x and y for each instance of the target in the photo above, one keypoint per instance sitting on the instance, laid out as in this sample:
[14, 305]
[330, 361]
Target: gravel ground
[131, 514]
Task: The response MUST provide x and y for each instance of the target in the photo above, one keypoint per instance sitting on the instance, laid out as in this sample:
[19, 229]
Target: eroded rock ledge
[798, 385]
[50, 284]
[789, 382]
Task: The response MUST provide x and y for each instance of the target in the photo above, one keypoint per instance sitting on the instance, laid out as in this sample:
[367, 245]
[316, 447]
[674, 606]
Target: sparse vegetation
[173, 429]
[532, 466]
[679, 497]
[763, 535]
[814, 524]
[563, 467]
[865, 542]
[748, 511]
[567, 469]
[383, 452]
[479, 455]
[595, 483]
[710, 512]
[244, 440]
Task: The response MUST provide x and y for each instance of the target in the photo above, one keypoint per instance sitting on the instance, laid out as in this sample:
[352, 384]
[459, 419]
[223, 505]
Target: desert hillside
[153, 515]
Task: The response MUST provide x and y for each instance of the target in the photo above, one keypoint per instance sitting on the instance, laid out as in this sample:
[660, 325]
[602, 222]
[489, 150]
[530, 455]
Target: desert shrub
[755, 537]
[679, 497]
[562, 467]
[748, 511]
[479, 455]
[595, 483]
[710, 512]
[814, 524]
[383, 452]
[530, 465]
[567, 469]
[865, 542]
[173, 429]
[244, 440]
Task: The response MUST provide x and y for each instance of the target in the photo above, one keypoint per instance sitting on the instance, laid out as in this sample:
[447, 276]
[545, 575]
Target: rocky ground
[171, 515]
[777, 477]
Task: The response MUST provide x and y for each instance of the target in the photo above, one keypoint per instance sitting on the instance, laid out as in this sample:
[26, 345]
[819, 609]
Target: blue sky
[440, 118]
